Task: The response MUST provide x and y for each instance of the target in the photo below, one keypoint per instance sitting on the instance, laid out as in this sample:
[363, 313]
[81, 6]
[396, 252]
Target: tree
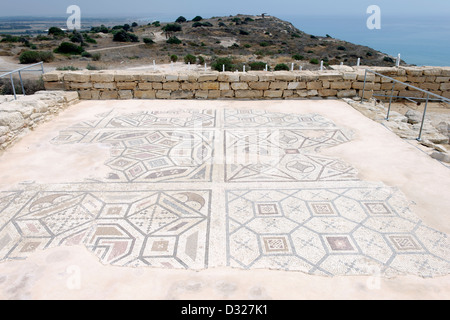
[197, 18]
[55, 31]
[181, 19]
[134, 24]
[170, 28]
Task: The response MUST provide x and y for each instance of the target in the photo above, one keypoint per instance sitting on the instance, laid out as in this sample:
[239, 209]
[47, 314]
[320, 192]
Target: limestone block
[102, 77]
[80, 85]
[85, 94]
[224, 86]
[278, 85]
[54, 85]
[412, 71]
[126, 85]
[209, 86]
[201, 94]
[360, 86]
[182, 94]
[266, 76]
[163, 94]
[330, 76]
[157, 85]
[259, 85]
[126, 76]
[125, 94]
[302, 93]
[328, 92]
[190, 86]
[349, 76]
[172, 77]
[109, 95]
[346, 94]
[248, 77]
[432, 72]
[145, 94]
[413, 79]
[70, 96]
[13, 120]
[213, 94]
[430, 86]
[288, 93]
[239, 85]
[228, 77]
[307, 76]
[203, 77]
[369, 77]
[53, 77]
[411, 93]
[227, 93]
[445, 86]
[77, 77]
[95, 94]
[152, 77]
[284, 76]
[296, 85]
[314, 85]
[344, 85]
[105, 85]
[312, 93]
[4, 130]
[273, 93]
[442, 79]
[326, 84]
[171, 86]
[248, 94]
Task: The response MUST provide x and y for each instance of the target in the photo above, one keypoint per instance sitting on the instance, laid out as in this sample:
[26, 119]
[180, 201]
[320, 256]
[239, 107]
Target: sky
[207, 8]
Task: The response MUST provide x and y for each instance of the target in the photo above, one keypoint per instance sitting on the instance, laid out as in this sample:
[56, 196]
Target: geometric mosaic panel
[333, 237]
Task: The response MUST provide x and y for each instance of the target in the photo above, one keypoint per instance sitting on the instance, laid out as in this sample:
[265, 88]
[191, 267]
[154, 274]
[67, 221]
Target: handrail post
[390, 101]
[12, 85]
[423, 118]
[21, 83]
[364, 87]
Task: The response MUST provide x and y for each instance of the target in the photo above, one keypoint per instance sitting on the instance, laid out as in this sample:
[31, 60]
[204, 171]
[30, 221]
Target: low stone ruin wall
[17, 117]
[342, 82]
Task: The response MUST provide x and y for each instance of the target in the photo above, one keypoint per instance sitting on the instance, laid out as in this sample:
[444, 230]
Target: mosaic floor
[246, 189]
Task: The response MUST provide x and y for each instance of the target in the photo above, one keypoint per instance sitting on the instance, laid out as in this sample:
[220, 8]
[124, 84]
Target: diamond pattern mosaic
[195, 189]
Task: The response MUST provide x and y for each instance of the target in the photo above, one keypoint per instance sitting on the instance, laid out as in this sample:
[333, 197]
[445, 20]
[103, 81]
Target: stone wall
[17, 117]
[341, 82]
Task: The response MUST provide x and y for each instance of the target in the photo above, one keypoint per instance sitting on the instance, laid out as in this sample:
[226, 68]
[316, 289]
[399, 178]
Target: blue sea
[420, 40]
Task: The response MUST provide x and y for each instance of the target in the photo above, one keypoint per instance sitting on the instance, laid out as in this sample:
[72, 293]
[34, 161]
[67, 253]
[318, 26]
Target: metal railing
[429, 96]
[19, 71]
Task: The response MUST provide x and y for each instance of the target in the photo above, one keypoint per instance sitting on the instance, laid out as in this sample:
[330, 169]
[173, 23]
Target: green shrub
[197, 18]
[221, 24]
[341, 48]
[91, 67]
[156, 24]
[190, 59]
[123, 36]
[102, 29]
[181, 19]
[314, 61]
[243, 32]
[69, 48]
[30, 86]
[388, 59]
[42, 38]
[76, 37]
[88, 39]
[328, 36]
[134, 25]
[55, 31]
[197, 24]
[369, 54]
[295, 35]
[174, 58]
[36, 56]
[264, 44]
[247, 46]
[257, 65]
[173, 40]
[68, 68]
[248, 19]
[313, 37]
[298, 57]
[310, 51]
[172, 27]
[234, 46]
[148, 41]
[219, 62]
[86, 54]
[96, 56]
[200, 60]
[281, 67]
[11, 39]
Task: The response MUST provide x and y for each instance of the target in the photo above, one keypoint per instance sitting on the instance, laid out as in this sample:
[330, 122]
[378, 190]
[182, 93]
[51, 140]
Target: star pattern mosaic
[195, 189]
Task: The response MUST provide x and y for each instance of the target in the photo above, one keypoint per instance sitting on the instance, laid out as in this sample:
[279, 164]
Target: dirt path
[118, 47]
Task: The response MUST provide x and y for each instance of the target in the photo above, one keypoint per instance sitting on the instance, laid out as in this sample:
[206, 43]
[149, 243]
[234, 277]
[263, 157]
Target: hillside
[245, 38]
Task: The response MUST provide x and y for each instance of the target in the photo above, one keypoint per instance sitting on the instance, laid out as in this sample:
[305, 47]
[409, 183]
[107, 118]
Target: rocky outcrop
[17, 117]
